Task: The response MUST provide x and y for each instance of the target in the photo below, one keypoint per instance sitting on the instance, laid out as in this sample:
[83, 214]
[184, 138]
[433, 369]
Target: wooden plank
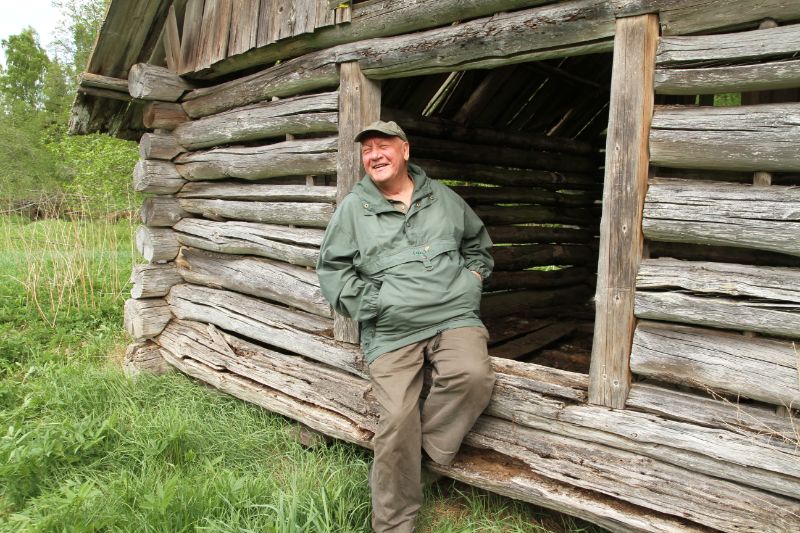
[621, 241]
[728, 214]
[540, 234]
[523, 195]
[359, 106]
[191, 36]
[679, 17]
[289, 158]
[302, 114]
[513, 258]
[292, 245]
[493, 175]
[243, 34]
[758, 77]
[260, 192]
[754, 138]
[540, 279]
[214, 32]
[285, 16]
[275, 281]
[761, 369]
[172, 41]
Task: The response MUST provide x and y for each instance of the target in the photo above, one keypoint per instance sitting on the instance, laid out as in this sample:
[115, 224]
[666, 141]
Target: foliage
[26, 63]
[76, 33]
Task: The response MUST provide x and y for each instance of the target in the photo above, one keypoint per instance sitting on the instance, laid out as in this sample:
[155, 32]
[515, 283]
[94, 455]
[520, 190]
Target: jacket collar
[370, 195]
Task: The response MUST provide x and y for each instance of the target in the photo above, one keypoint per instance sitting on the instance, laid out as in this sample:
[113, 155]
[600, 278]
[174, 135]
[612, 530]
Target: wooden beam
[306, 214]
[359, 106]
[621, 240]
[172, 41]
[150, 82]
[190, 37]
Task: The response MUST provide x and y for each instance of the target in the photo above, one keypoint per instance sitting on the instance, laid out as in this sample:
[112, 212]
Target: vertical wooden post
[624, 189]
[359, 106]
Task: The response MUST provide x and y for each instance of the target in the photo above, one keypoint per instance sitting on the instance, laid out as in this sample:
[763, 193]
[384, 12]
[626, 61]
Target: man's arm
[341, 285]
[475, 244]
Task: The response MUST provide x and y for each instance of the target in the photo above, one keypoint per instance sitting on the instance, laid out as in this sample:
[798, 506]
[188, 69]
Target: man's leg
[462, 385]
[395, 476]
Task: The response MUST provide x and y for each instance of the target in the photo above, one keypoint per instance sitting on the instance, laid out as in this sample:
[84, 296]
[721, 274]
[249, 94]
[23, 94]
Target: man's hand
[477, 274]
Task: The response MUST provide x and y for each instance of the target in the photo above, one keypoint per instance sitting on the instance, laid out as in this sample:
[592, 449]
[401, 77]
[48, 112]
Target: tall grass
[84, 448]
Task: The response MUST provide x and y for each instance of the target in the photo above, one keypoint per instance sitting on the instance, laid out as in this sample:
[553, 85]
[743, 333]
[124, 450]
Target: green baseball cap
[386, 128]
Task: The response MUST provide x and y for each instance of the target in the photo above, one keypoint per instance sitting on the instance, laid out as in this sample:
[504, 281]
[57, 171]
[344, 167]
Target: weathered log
[159, 177]
[721, 254]
[755, 421]
[523, 195]
[172, 40]
[508, 303]
[304, 74]
[754, 138]
[540, 234]
[779, 285]
[289, 285]
[301, 114]
[472, 172]
[144, 357]
[744, 46]
[153, 280]
[144, 319]
[262, 192]
[427, 147]
[296, 331]
[161, 211]
[679, 17]
[156, 245]
[565, 29]
[151, 82]
[761, 369]
[108, 83]
[159, 146]
[163, 115]
[647, 482]
[442, 128]
[708, 80]
[764, 218]
[290, 158]
[526, 214]
[769, 318]
[292, 245]
[315, 215]
[533, 341]
[539, 279]
[525, 256]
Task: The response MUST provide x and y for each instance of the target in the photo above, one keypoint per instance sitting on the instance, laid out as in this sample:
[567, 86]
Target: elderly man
[406, 257]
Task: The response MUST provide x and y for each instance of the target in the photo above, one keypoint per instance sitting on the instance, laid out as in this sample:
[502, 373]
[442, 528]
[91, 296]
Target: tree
[26, 65]
[76, 33]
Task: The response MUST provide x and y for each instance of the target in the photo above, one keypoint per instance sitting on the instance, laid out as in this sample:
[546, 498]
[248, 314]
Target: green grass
[84, 448]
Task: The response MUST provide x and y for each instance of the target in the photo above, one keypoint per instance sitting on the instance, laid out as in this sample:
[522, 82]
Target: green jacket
[404, 276]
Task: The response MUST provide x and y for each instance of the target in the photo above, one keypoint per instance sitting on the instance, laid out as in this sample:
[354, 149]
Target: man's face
[384, 158]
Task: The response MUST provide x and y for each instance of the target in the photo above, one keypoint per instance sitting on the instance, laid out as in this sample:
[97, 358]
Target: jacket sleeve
[476, 244]
[341, 285]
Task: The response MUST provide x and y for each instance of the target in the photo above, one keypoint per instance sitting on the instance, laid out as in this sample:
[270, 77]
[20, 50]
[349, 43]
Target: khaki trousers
[461, 388]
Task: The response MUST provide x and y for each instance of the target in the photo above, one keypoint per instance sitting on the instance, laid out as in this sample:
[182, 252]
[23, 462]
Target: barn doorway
[523, 145]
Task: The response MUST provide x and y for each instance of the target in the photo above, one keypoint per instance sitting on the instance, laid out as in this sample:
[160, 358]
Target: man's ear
[406, 151]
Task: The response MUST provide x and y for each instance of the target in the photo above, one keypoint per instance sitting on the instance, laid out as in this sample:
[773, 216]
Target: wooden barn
[645, 310]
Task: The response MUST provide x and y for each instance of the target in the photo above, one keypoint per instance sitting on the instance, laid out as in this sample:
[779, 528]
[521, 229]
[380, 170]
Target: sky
[19, 14]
